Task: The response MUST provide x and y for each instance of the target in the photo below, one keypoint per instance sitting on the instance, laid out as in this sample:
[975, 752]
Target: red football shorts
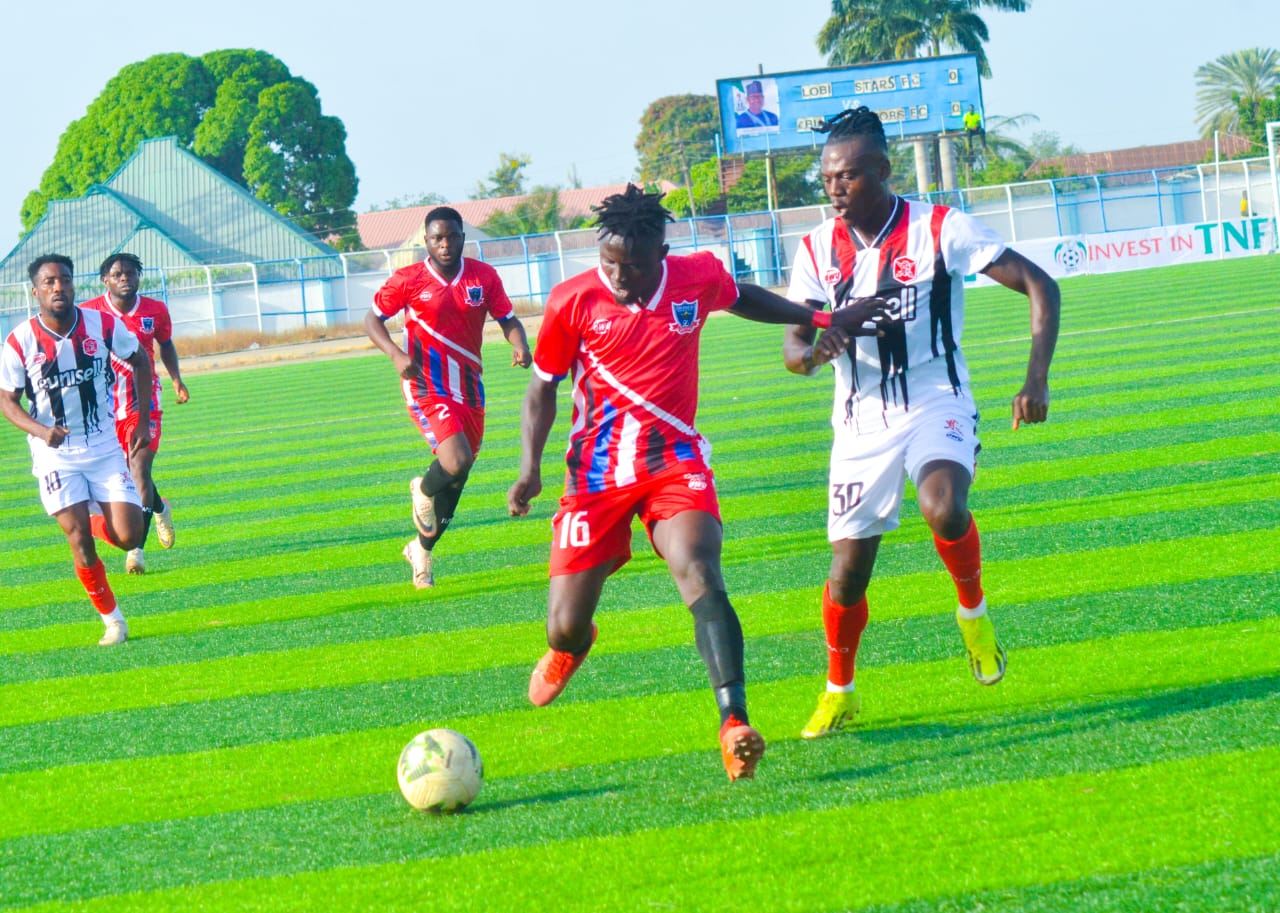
[592, 529]
[440, 419]
[124, 430]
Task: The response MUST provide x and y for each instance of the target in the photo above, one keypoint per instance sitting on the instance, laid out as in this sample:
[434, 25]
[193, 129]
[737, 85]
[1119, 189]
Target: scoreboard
[781, 110]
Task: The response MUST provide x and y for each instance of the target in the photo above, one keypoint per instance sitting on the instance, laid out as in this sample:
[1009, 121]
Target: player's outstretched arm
[802, 355]
[513, 332]
[376, 329]
[762, 305]
[1014, 271]
[537, 415]
[169, 356]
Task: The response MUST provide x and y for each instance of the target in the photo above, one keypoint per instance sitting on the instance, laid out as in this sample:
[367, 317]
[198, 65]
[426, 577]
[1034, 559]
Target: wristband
[822, 320]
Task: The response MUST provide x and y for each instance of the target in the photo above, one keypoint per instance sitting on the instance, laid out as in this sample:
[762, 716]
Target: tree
[1233, 83]
[795, 184]
[421, 198]
[507, 180]
[214, 106]
[1254, 116]
[861, 31]
[676, 132]
[538, 213]
[295, 160]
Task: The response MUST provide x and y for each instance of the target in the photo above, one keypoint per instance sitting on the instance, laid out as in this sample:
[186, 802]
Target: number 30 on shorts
[844, 497]
[574, 532]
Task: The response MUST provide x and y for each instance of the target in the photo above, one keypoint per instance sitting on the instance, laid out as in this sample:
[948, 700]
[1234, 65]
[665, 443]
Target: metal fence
[282, 295]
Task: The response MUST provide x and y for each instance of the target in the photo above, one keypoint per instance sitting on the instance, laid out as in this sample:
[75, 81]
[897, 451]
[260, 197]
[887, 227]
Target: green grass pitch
[239, 752]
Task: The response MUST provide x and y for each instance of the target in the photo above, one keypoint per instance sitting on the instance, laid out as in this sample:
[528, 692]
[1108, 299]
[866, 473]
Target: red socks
[963, 558]
[98, 526]
[844, 626]
[94, 581]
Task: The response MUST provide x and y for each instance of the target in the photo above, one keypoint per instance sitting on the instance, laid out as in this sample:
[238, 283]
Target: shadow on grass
[947, 741]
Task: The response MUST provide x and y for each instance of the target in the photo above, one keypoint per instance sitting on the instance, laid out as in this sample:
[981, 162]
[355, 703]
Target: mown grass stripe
[1176, 813]
[570, 733]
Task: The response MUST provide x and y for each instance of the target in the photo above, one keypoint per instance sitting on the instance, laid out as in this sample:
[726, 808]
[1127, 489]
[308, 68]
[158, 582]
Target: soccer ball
[440, 771]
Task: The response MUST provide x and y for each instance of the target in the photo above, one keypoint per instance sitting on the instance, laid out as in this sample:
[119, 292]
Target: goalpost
[1273, 127]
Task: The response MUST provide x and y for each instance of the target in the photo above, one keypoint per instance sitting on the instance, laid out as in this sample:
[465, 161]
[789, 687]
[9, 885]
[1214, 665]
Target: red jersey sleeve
[391, 299]
[500, 307]
[558, 339]
[723, 288]
[163, 325]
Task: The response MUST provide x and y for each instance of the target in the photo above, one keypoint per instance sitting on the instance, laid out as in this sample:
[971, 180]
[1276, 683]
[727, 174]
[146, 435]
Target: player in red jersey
[148, 319]
[61, 361]
[903, 405]
[628, 332]
[445, 300]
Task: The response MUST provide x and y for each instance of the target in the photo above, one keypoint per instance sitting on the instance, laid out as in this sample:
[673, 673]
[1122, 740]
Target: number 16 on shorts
[574, 532]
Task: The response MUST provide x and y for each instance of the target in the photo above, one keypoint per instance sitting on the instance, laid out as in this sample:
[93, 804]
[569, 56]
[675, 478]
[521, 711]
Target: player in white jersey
[61, 361]
[903, 407]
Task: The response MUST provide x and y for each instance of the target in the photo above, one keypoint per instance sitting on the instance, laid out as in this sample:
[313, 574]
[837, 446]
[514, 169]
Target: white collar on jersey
[653, 300]
[137, 300]
[67, 335]
[893, 214]
[426, 261]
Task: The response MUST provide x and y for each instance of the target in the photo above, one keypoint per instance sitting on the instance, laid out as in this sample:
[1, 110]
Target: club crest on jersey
[953, 430]
[686, 317]
[475, 295]
[90, 347]
[697, 481]
[831, 276]
[904, 269]
[148, 324]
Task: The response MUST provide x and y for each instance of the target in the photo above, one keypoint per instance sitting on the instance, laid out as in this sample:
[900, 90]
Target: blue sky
[431, 93]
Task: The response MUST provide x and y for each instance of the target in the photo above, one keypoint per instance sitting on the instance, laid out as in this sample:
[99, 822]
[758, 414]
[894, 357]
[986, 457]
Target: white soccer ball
[440, 771]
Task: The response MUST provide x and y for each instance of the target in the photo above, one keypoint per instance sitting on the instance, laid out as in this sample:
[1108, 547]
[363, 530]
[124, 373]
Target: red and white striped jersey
[918, 266]
[635, 370]
[67, 379]
[444, 325]
[148, 319]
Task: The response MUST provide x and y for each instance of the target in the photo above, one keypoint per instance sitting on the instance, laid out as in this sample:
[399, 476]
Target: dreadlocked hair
[851, 122]
[632, 215]
[119, 258]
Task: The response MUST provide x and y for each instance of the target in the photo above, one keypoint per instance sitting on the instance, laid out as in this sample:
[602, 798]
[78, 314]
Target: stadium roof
[1143, 158]
[172, 210]
[396, 227]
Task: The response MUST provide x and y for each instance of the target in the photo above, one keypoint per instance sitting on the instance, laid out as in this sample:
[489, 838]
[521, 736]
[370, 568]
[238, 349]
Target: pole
[1272, 128]
[1217, 190]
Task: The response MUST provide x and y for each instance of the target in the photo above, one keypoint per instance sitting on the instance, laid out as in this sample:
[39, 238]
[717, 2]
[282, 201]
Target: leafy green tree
[295, 160]
[223, 132]
[795, 184]
[422, 198]
[212, 104]
[676, 132]
[164, 95]
[537, 213]
[861, 31]
[507, 180]
[1254, 116]
[1233, 84]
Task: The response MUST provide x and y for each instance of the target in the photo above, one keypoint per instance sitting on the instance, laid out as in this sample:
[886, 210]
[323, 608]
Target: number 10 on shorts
[845, 497]
[574, 532]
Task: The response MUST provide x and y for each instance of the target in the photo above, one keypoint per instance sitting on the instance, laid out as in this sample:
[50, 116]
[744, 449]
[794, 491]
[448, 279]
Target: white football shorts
[100, 475]
[869, 471]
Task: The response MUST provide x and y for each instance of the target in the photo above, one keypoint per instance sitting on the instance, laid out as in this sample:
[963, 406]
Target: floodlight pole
[1272, 128]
